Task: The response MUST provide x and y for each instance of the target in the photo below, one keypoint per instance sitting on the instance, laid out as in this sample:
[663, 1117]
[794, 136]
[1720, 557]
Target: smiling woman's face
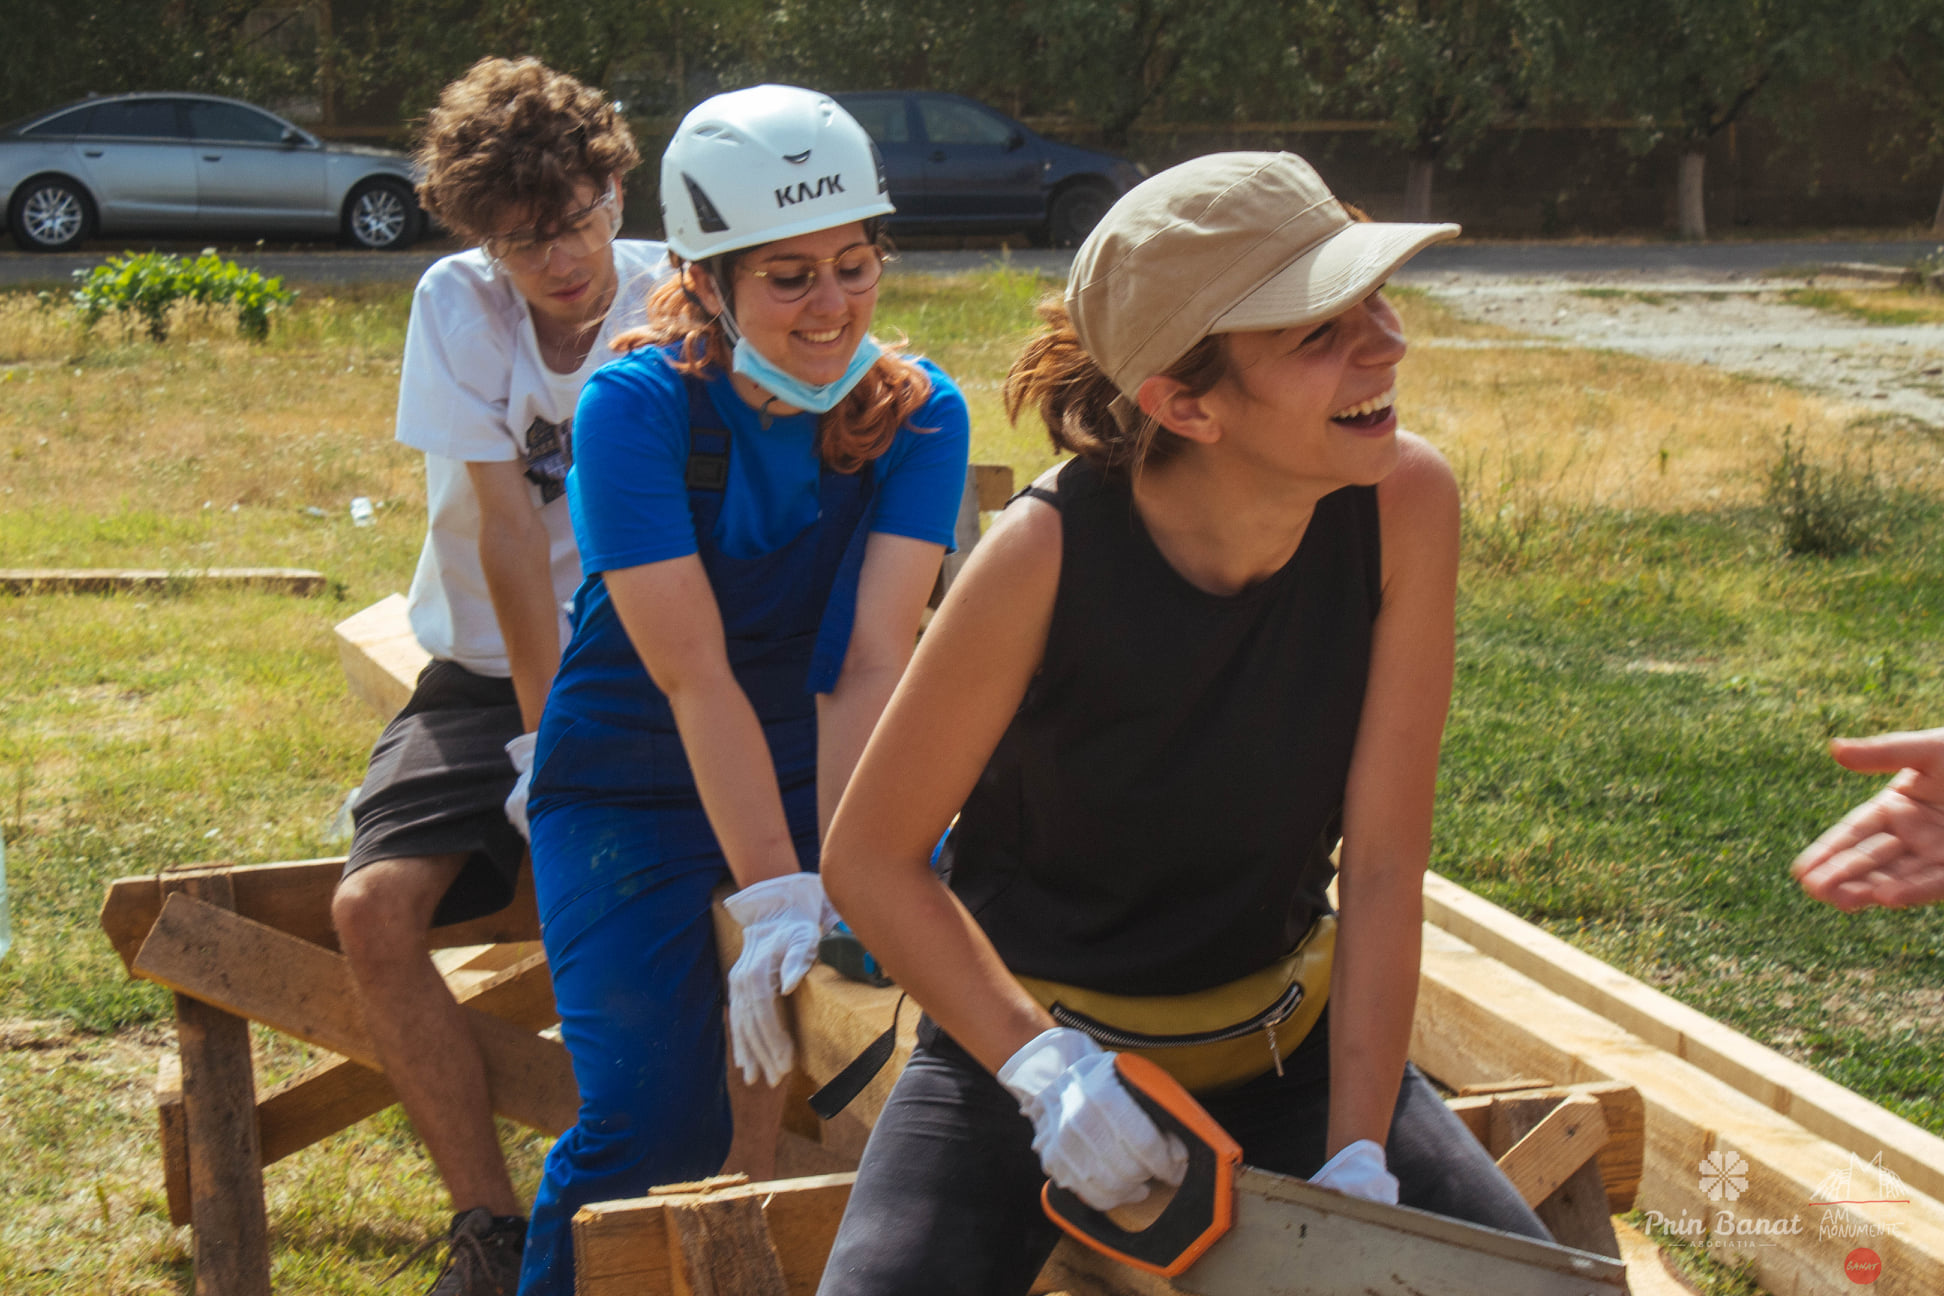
[813, 337]
[1317, 399]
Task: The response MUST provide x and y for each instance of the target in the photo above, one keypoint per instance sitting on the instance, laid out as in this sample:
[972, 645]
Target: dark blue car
[956, 166]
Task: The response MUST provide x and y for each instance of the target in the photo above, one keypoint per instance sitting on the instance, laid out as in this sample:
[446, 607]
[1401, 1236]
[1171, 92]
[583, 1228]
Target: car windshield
[883, 119]
[949, 122]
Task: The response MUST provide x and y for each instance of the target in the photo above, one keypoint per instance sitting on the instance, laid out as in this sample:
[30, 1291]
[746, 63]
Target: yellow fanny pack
[1216, 1038]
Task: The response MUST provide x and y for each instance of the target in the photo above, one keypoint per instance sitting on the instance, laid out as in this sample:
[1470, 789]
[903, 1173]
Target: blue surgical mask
[791, 390]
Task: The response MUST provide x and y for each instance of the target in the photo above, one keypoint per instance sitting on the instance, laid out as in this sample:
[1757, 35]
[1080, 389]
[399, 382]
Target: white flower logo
[1724, 1176]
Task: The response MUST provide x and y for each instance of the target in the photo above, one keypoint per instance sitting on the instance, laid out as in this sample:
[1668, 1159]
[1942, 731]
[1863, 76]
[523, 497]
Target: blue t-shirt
[628, 492]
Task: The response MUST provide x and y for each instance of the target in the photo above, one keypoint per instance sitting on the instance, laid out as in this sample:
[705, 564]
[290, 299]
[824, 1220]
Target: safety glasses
[579, 234]
[791, 278]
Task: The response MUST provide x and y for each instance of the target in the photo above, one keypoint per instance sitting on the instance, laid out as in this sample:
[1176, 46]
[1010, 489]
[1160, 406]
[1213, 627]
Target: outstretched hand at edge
[1888, 851]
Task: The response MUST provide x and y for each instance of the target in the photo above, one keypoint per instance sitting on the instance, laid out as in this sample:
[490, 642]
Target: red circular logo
[1863, 1266]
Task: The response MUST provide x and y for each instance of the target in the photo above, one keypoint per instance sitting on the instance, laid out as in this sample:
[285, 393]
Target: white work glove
[1093, 1139]
[1359, 1171]
[782, 920]
[520, 752]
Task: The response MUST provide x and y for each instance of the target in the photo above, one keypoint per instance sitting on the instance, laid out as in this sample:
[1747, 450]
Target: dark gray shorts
[437, 785]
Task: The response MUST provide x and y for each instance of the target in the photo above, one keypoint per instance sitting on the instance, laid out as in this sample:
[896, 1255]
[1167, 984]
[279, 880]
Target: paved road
[1661, 261]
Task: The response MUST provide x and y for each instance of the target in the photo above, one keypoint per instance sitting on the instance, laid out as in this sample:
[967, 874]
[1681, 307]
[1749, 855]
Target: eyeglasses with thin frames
[856, 268]
[580, 234]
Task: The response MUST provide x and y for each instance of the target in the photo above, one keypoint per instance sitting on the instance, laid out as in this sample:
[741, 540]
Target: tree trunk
[1937, 221]
[1417, 189]
[1687, 195]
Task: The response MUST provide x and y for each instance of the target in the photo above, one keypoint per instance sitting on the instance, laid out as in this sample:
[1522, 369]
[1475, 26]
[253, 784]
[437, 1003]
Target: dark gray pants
[947, 1197]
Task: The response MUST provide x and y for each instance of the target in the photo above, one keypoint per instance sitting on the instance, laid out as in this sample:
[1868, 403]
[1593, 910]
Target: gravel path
[1741, 325]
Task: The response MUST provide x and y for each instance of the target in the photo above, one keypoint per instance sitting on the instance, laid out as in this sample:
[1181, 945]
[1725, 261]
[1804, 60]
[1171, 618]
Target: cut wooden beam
[225, 1168]
[1478, 1019]
[77, 580]
[720, 1246]
[303, 990]
[1545, 1147]
[381, 655]
[1620, 1110]
[621, 1247]
[832, 1019]
[1563, 1141]
[992, 485]
[173, 1133]
[1819, 1105]
[294, 897]
[336, 1092]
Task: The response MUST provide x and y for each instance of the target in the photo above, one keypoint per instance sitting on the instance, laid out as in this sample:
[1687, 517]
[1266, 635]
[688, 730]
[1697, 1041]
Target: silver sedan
[194, 165]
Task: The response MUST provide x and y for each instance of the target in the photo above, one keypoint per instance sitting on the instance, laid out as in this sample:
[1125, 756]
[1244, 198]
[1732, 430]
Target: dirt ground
[1741, 325]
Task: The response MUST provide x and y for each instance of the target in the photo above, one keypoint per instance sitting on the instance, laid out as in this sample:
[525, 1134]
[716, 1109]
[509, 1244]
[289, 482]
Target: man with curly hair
[526, 164]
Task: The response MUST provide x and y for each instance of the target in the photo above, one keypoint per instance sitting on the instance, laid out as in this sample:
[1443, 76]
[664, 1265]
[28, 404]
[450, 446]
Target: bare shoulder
[1417, 507]
[1422, 477]
[1021, 551]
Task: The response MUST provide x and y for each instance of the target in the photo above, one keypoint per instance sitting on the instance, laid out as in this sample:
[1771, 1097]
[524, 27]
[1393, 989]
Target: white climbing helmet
[766, 163]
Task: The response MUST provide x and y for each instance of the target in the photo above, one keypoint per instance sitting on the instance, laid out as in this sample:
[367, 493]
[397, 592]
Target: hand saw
[1232, 1230]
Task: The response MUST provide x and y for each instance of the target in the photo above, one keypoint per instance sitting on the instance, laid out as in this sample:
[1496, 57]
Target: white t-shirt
[475, 390]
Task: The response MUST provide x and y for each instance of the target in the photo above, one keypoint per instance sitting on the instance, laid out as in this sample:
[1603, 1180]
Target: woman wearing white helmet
[762, 494]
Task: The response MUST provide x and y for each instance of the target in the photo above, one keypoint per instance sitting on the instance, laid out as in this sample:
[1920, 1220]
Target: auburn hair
[857, 430]
[514, 136]
[1085, 413]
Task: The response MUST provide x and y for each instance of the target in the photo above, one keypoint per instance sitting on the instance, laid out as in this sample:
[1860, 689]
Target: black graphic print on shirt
[549, 454]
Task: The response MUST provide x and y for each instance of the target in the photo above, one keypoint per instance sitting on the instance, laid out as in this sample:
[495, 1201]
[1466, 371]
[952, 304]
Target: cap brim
[1332, 276]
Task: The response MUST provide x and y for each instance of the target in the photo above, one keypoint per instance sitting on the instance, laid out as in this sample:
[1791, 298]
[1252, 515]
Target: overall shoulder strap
[708, 459]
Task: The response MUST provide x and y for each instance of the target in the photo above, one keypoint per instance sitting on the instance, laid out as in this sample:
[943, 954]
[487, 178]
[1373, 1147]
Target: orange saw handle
[1203, 1207]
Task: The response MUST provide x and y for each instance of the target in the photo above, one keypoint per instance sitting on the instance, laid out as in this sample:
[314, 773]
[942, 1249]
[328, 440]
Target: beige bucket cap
[1226, 243]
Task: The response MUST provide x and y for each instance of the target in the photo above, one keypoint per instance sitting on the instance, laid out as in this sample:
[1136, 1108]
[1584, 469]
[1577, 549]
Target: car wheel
[1076, 210]
[381, 216]
[50, 214]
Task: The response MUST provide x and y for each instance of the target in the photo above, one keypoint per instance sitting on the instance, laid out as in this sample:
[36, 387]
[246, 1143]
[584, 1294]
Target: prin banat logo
[1724, 1177]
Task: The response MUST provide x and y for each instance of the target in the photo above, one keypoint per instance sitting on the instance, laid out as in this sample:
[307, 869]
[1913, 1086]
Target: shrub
[148, 285]
[1822, 509]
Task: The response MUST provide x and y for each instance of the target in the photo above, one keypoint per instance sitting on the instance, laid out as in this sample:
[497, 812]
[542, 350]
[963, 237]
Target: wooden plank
[78, 580]
[336, 1092]
[1620, 1108]
[306, 991]
[1559, 1144]
[720, 1246]
[232, 1239]
[294, 897]
[1556, 1175]
[173, 1134]
[621, 1247]
[1819, 1105]
[381, 655]
[992, 485]
[1647, 1273]
[833, 1019]
[1477, 1019]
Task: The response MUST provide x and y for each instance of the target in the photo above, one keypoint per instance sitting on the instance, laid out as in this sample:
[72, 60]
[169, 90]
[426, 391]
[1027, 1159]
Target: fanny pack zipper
[1114, 1038]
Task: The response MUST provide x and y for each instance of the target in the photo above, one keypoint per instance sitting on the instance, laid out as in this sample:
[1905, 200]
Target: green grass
[1636, 751]
[1881, 306]
[1634, 754]
[1622, 294]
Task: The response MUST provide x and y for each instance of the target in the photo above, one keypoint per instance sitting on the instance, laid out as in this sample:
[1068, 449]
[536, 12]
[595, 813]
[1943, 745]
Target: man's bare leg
[382, 913]
[758, 1113]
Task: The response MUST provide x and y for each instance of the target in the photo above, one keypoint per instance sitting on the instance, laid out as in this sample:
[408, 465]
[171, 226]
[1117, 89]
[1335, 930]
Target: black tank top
[1159, 816]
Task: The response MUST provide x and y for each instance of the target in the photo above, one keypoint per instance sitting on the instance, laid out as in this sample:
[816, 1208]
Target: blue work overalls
[625, 861]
